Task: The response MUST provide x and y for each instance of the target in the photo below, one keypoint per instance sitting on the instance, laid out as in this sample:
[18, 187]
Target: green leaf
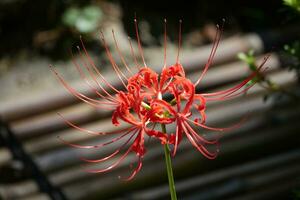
[70, 16]
[295, 4]
[249, 59]
[89, 19]
[242, 56]
[92, 13]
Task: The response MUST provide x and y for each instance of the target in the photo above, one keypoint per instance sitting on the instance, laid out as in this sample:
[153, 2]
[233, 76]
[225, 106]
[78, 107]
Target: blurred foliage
[290, 54]
[295, 4]
[246, 16]
[84, 20]
[293, 53]
[47, 27]
[262, 79]
[51, 27]
[297, 195]
[248, 58]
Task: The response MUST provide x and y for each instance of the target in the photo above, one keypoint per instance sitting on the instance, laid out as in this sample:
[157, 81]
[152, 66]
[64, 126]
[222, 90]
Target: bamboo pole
[45, 163]
[221, 175]
[38, 145]
[281, 190]
[17, 190]
[244, 184]
[37, 196]
[5, 156]
[107, 182]
[230, 108]
[104, 186]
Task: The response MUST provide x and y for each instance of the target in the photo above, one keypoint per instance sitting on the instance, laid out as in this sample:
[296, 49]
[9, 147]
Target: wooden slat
[231, 173]
[48, 122]
[36, 124]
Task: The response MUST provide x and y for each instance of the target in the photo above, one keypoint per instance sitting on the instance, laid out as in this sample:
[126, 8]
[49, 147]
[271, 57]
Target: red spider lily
[173, 81]
[141, 105]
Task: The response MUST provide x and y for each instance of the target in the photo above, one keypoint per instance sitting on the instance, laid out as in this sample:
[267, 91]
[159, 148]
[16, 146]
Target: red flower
[185, 98]
[141, 105]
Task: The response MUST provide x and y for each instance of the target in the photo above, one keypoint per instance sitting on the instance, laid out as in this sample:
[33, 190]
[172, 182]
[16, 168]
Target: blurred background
[259, 160]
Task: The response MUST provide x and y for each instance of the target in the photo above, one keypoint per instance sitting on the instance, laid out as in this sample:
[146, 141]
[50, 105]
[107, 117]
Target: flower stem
[169, 167]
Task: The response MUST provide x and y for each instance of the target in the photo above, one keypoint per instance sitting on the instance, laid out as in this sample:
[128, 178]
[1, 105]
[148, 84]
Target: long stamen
[233, 94]
[82, 75]
[120, 53]
[201, 140]
[230, 95]
[90, 132]
[139, 41]
[114, 164]
[165, 43]
[200, 147]
[78, 94]
[240, 85]
[136, 170]
[97, 146]
[91, 146]
[92, 102]
[109, 156]
[137, 65]
[102, 159]
[96, 69]
[113, 63]
[219, 129]
[179, 41]
[213, 52]
[198, 136]
[176, 138]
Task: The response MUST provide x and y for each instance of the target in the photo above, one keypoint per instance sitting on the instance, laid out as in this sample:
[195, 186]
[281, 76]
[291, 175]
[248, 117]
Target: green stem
[169, 167]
